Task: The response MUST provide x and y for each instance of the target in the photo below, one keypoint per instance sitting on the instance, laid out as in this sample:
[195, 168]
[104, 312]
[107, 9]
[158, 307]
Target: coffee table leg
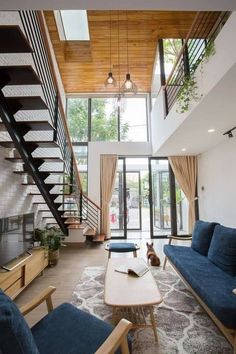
[153, 323]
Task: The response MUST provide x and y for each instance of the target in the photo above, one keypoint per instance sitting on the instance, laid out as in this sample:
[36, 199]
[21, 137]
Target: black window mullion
[89, 119]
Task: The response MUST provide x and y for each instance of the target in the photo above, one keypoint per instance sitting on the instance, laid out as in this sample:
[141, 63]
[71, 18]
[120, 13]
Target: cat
[152, 256]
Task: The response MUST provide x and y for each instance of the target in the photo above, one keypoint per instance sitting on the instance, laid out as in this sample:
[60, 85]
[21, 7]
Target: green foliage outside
[171, 49]
[104, 124]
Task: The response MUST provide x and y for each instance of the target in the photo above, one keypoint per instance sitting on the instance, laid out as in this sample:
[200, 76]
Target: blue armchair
[64, 330]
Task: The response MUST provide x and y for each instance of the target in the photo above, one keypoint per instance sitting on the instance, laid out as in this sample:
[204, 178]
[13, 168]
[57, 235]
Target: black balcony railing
[196, 46]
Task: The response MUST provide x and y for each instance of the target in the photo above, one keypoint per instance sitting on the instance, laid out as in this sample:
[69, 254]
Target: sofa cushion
[202, 235]
[222, 251]
[68, 330]
[15, 335]
[212, 284]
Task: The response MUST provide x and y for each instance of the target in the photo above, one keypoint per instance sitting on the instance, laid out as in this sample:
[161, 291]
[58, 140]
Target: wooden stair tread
[27, 103]
[33, 184]
[42, 125]
[99, 238]
[75, 227]
[50, 172]
[38, 193]
[43, 144]
[19, 75]
[13, 40]
[46, 159]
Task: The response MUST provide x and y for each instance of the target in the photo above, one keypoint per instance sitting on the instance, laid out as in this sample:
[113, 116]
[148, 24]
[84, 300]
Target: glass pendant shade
[129, 85]
[110, 80]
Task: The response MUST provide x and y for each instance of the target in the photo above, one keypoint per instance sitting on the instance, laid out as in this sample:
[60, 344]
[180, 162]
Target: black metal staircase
[58, 187]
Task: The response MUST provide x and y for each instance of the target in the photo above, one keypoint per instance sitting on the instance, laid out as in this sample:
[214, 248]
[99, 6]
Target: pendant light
[118, 102]
[110, 80]
[128, 86]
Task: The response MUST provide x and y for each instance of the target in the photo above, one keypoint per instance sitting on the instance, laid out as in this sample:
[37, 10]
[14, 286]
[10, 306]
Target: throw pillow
[222, 251]
[202, 235]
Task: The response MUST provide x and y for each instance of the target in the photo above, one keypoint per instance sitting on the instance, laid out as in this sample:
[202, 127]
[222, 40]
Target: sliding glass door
[147, 202]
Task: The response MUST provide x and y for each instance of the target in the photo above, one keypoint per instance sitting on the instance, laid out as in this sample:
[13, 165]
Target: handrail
[91, 201]
[43, 29]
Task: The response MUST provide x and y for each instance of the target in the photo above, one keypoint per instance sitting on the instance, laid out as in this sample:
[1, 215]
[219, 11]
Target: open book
[138, 269]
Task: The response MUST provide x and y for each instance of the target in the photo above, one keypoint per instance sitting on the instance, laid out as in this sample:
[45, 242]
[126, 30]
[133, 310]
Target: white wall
[217, 175]
[96, 149]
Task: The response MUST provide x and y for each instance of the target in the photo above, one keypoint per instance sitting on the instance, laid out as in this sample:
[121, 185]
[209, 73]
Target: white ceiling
[119, 5]
[217, 110]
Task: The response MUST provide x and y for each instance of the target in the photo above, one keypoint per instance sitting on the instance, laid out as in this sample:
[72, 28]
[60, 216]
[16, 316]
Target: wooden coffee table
[131, 297]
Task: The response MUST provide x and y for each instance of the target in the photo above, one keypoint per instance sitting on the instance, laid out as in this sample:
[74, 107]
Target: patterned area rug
[183, 326]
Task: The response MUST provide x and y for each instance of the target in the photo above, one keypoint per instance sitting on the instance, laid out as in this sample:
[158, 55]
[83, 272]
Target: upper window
[72, 25]
[133, 120]
[77, 115]
[103, 120]
[100, 119]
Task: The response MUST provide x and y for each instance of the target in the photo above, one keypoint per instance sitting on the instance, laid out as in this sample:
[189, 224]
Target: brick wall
[14, 199]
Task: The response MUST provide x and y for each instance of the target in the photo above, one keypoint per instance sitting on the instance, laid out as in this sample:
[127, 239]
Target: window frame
[91, 96]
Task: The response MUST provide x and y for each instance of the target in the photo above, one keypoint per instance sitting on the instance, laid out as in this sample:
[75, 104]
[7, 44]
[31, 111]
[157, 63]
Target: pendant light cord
[127, 40]
[118, 36]
[110, 41]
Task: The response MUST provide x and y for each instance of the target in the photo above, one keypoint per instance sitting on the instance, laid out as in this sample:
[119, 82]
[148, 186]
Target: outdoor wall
[14, 199]
[217, 175]
[96, 149]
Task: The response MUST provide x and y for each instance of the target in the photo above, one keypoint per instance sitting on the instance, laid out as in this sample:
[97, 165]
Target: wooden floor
[67, 273]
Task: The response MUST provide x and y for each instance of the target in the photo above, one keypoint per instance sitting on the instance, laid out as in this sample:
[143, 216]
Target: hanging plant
[189, 90]
[187, 93]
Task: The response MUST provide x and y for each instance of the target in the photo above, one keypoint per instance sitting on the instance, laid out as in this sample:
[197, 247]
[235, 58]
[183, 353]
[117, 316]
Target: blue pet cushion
[122, 247]
[222, 251]
[15, 334]
[202, 235]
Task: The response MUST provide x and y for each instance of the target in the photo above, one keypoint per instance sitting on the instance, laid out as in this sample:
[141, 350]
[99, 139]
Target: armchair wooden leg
[124, 347]
[164, 264]
[135, 253]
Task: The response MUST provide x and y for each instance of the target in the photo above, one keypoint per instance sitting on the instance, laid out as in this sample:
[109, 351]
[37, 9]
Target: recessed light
[211, 130]
[184, 149]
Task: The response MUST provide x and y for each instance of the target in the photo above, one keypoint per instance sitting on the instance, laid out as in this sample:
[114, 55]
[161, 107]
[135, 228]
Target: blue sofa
[208, 268]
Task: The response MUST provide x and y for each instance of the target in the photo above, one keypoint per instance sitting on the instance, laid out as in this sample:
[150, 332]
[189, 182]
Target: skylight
[72, 25]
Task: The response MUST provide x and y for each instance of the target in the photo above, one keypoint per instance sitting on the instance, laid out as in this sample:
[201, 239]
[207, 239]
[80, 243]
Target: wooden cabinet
[24, 270]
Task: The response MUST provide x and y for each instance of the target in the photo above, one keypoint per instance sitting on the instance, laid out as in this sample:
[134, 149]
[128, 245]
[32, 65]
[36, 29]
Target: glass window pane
[161, 197]
[182, 211]
[171, 51]
[75, 25]
[77, 117]
[81, 154]
[133, 122]
[104, 123]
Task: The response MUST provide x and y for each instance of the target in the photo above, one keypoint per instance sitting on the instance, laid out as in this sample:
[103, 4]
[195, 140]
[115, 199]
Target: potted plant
[51, 239]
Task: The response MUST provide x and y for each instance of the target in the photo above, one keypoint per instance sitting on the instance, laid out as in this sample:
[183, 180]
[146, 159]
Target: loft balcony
[179, 133]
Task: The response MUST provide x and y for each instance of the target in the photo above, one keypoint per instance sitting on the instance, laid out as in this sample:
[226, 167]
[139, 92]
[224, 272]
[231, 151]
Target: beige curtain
[185, 171]
[108, 176]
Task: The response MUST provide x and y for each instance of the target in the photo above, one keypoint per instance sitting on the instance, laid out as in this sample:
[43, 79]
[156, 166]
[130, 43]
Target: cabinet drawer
[11, 277]
[14, 288]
